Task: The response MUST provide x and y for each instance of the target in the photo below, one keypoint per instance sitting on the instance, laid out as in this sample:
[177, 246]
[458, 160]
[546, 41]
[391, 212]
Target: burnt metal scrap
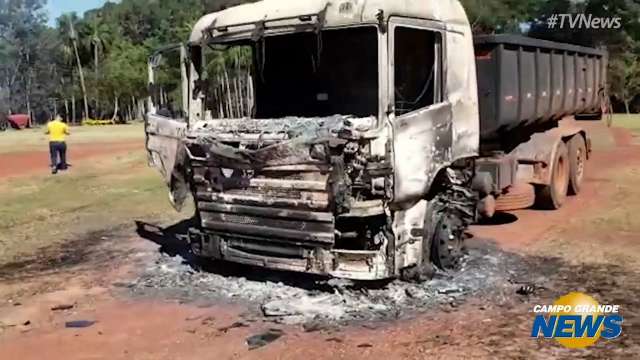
[292, 126]
[257, 144]
[333, 145]
[306, 183]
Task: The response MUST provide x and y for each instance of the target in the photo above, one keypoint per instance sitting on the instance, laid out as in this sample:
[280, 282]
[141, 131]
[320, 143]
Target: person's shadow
[64, 167]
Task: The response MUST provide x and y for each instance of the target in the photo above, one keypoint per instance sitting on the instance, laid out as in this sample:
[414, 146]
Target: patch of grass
[42, 211]
[35, 139]
[606, 234]
[631, 122]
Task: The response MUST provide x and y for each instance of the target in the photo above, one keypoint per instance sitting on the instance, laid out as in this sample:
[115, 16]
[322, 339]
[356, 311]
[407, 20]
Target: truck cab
[335, 137]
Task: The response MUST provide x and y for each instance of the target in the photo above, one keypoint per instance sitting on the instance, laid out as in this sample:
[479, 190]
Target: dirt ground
[29, 162]
[591, 245]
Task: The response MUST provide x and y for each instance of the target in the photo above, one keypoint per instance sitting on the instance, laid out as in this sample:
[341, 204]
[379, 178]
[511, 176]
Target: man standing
[57, 131]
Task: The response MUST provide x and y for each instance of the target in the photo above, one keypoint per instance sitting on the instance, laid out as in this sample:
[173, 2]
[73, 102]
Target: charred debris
[326, 155]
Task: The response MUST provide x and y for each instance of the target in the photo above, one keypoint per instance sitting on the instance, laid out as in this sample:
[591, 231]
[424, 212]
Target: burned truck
[359, 139]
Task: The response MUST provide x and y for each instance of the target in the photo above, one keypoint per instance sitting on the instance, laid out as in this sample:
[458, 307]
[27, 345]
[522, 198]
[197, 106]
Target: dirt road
[521, 228]
[591, 245]
[24, 163]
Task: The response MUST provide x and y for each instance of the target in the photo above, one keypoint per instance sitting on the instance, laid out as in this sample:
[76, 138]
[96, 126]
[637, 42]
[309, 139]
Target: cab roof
[281, 14]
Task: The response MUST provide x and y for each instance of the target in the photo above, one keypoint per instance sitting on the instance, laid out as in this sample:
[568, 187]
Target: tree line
[95, 65]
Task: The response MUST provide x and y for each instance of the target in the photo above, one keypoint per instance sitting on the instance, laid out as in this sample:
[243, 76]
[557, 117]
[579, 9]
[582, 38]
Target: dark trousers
[58, 153]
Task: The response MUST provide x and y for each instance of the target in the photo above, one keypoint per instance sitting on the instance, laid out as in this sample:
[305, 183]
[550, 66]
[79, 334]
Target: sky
[59, 7]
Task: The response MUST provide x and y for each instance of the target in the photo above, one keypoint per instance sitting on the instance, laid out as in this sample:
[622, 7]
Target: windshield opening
[301, 74]
[166, 90]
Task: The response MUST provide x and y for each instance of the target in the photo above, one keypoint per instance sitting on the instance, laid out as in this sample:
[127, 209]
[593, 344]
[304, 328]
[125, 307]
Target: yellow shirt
[57, 130]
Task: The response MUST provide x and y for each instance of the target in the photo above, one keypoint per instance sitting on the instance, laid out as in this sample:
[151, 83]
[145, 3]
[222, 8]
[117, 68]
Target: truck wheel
[447, 243]
[552, 196]
[577, 164]
[447, 216]
[424, 270]
[442, 245]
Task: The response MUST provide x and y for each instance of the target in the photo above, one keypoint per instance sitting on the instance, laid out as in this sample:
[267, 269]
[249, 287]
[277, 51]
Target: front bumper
[282, 254]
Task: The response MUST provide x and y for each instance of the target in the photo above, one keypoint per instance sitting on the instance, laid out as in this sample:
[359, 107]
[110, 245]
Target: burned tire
[453, 210]
[446, 219]
[424, 270]
[447, 243]
[577, 164]
[442, 244]
[553, 196]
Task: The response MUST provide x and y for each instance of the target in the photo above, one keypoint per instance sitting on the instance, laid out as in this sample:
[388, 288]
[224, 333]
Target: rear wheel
[4, 125]
[577, 163]
[552, 196]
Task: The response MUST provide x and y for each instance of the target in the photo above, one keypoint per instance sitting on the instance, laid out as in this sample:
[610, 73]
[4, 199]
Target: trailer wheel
[577, 164]
[552, 196]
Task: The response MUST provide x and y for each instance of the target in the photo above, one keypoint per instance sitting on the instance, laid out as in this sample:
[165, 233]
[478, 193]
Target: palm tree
[98, 36]
[65, 21]
[67, 60]
[229, 70]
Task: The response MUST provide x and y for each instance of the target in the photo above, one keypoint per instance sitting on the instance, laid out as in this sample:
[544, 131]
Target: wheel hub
[450, 242]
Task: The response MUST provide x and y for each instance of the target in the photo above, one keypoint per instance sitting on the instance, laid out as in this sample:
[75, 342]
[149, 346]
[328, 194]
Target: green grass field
[631, 122]
[34, 139]
[608, 223]
[97, 194]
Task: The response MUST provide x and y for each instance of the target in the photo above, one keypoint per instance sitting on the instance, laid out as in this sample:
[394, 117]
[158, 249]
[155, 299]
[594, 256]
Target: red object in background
[18, 121]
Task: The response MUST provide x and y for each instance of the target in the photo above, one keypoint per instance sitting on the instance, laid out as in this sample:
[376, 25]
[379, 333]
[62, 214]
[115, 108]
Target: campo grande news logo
[577, 321]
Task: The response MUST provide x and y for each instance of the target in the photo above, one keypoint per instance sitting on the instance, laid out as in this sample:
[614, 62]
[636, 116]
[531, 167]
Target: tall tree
[499, 16]
[125, 67]
[625, 79]
[97, 36]
[21, 24]
[93, 56]
[66, 24]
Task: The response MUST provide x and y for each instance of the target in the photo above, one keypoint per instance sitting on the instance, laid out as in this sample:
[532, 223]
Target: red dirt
[172, 331]
[25, 163]
[532, 224]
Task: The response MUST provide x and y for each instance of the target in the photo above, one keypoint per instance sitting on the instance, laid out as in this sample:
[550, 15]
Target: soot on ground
[300, 298]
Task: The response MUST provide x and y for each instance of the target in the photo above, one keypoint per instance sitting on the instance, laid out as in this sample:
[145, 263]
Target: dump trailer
[360, 139]
[529, 92]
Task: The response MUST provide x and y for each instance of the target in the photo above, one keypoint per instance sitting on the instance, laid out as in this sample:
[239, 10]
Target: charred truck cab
[335, 137]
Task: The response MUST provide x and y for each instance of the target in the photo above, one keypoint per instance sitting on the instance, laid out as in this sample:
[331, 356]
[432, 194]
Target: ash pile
[291, 298]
